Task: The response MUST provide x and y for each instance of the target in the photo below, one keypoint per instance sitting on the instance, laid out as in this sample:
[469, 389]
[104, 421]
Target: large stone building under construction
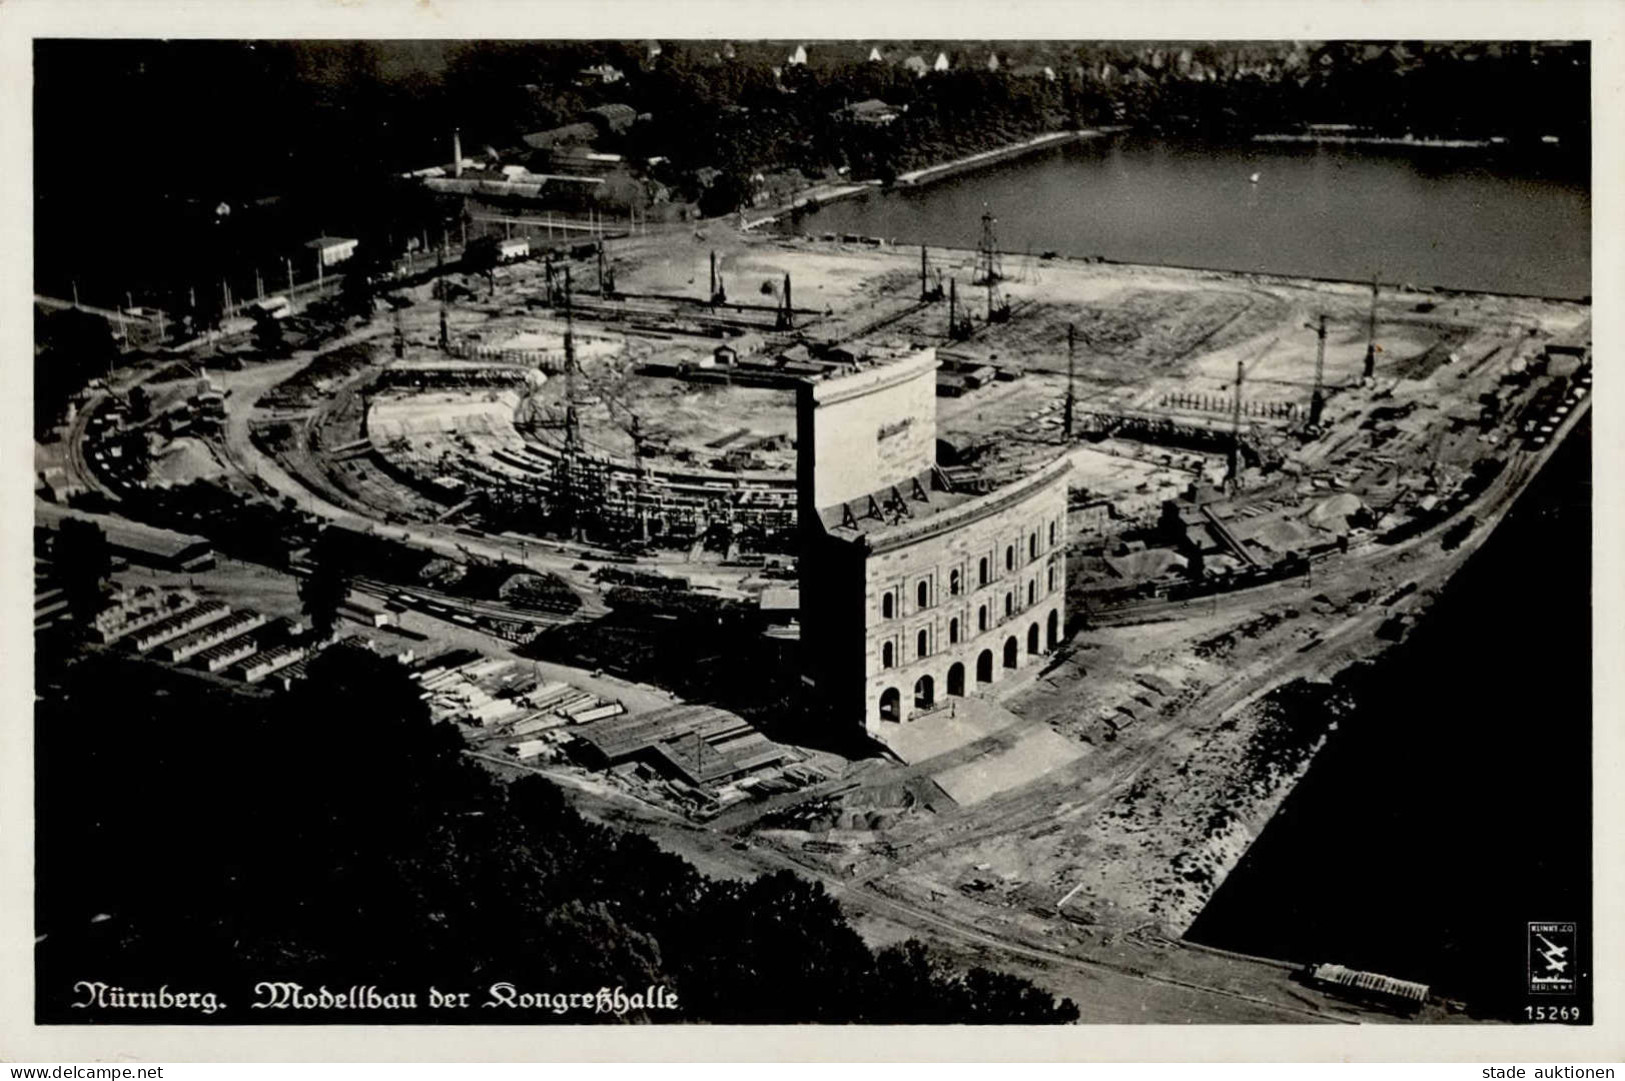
[911, 592]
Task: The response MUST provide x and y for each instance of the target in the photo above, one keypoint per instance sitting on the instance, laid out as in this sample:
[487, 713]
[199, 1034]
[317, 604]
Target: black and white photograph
[765, 529]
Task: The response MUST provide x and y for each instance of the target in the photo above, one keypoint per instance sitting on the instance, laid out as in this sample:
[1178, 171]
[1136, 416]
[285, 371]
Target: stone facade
[911, 593]
[993, 582]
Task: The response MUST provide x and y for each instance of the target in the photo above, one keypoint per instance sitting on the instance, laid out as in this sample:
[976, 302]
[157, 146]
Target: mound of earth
[545, 592]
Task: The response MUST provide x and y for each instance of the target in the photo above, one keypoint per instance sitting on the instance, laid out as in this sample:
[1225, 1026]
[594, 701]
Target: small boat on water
[1253, 179]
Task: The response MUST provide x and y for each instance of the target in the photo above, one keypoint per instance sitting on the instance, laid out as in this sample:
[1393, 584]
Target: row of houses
[179, 627]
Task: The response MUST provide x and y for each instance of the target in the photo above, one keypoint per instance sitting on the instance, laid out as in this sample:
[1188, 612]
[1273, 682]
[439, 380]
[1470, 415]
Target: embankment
[932, 173]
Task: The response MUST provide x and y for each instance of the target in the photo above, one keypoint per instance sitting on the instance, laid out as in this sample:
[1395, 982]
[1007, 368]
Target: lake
[1463, 219]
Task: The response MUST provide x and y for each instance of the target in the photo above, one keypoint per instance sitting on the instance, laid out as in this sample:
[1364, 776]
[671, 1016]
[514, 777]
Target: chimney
[456, 152]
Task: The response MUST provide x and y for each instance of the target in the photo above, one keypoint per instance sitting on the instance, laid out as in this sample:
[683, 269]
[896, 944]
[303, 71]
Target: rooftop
[903, 514]
[126, 535]
[779, 599]
[922, 497]
[582, 132]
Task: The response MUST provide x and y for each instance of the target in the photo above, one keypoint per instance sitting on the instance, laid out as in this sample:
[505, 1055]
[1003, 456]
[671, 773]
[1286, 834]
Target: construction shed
[701, 745]
[154, 547]
[779, 604]
[332, 250]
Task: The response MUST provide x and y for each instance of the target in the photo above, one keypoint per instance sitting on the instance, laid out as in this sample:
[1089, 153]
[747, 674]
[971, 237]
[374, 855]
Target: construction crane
[606, 274]
[998, 305]
[572, 421]
[569, 461]
[988, 268]
[1317, 400]
[786, 318]
[440, 281]
[1371, 336]
[959, 328]
[1071, 380]
[1234, 475]
[928, 292]
[634, 429]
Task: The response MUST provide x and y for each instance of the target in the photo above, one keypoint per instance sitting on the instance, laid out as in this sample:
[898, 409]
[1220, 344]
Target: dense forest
[334, 836]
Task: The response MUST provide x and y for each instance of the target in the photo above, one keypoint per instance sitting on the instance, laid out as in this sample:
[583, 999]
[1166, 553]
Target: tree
[209, 310]
[726, 194]
[481, 256]
[326, 587]
[140, 403]
[71, 347]
[83, 562]
[370, 264]
[401, 860]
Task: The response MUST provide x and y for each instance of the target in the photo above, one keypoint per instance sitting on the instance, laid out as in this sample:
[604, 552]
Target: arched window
[891, 706]
[1032, 545]
[886, 658]
[953, 583]
[1009, 557]
[1052, 534]
[1032, 591]
[953, 630]
[981, 618]
[1052, 579]
[922, 593]
[1009, 602]
[982, 576]
[921, 644]
[887, 605]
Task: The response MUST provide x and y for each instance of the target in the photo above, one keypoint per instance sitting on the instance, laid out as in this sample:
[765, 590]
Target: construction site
[1267, 480]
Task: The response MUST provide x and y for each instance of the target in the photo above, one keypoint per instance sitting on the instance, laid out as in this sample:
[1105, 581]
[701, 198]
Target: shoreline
[1376, 140]
[1271, 276]
[918, 178]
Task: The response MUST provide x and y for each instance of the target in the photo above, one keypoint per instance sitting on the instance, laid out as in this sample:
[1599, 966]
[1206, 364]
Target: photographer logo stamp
[1551, 953]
